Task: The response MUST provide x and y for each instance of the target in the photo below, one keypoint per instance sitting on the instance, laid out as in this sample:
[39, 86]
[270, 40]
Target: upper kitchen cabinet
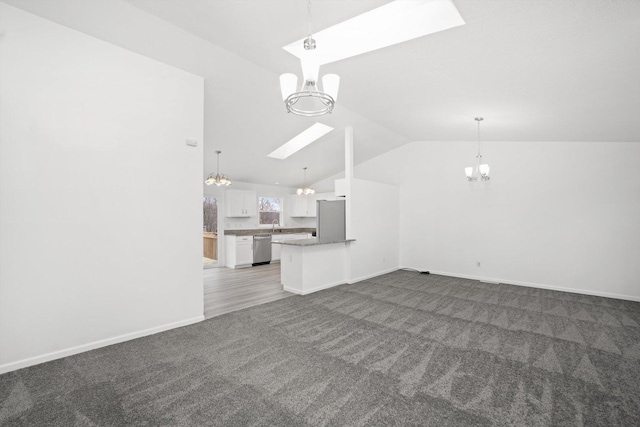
[298, 205]
[241, 203]
[305, 206]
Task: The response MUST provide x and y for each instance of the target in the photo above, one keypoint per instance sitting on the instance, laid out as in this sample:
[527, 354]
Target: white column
[348, 175]
[348, 153]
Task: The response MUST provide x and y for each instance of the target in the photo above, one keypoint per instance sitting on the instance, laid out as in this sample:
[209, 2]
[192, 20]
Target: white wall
[100, 198]
[557, 215]
[373, 220]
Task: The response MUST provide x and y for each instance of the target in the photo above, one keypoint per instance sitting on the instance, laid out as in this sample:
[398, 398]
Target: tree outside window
[269, 209]
[210, 214]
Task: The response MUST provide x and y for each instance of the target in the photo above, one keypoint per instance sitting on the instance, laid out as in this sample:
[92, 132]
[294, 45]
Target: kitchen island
[309, 265]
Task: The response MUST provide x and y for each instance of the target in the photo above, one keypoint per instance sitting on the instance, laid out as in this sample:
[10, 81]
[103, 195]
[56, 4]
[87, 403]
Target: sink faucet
[273, 225]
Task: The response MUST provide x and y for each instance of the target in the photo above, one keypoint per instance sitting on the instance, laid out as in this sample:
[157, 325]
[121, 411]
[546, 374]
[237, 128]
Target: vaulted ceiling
[536, 70]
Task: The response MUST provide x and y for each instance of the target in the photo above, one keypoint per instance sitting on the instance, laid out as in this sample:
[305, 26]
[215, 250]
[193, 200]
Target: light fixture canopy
[219, 179]
[304, 190]
[309, 101]
[481, 171]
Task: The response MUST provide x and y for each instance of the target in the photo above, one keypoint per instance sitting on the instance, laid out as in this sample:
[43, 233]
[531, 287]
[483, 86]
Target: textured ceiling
[557, 70]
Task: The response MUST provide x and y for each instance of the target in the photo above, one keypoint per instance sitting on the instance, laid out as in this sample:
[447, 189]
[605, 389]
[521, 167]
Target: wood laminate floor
[208, 262]
[228, 289]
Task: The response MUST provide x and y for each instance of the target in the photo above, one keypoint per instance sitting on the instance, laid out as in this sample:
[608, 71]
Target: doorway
[209, 232]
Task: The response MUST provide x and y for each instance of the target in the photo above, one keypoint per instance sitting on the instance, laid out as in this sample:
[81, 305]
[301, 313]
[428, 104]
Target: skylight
[300, 141]
[393, 23]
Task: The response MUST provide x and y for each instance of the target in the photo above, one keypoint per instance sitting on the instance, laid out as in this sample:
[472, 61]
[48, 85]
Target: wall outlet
[478, 263]
[192, 143]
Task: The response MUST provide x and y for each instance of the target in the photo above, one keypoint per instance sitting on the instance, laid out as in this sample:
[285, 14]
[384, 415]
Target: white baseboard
[24, 363]
[310, 291]
[369, 276]
[331, 285]
[537, 285]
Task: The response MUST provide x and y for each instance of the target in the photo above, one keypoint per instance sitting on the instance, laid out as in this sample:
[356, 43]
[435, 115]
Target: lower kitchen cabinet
[275, 252]
[239, 251]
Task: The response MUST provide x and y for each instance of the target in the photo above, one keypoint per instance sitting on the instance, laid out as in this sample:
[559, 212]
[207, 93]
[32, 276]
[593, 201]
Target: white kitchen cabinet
[241, 203]
[239, 251]
[311, 205]
[305, 206]
[276, 250]
[299, 205]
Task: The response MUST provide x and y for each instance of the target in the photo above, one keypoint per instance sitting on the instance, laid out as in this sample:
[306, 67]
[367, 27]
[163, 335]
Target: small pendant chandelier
[304, 190]
[480, 171]
[309, 101]
[219, 179]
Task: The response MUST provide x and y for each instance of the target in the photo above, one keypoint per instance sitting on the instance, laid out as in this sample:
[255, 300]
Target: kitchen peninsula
[309, 265]
[239, 243]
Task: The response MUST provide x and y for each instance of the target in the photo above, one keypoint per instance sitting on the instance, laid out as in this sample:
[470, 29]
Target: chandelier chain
[309, 18]
[479, 119]
[478, 137]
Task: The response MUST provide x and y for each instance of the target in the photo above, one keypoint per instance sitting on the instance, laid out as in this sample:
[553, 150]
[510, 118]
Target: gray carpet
[399, 349]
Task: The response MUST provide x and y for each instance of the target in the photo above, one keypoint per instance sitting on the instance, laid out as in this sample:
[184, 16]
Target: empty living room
[477, 158]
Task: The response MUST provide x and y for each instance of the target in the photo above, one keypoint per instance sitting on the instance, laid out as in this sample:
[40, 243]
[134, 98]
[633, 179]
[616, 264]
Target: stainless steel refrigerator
[331, 220]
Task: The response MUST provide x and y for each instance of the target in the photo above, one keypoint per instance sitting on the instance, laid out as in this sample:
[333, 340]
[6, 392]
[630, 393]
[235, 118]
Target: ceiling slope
[539, 70]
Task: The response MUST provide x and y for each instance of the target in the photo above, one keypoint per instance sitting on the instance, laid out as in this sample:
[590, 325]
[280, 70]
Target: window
[269, 209]
[210, 214]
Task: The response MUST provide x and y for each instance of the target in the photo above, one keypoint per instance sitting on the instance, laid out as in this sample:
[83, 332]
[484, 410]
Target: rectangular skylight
[300, 141]
[393, 23]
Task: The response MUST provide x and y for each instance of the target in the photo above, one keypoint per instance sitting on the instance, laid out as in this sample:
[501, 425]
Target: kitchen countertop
[311, 242]
[251, 232]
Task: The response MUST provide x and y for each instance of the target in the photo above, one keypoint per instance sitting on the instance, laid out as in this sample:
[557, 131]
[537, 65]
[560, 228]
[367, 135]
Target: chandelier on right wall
[481, 171]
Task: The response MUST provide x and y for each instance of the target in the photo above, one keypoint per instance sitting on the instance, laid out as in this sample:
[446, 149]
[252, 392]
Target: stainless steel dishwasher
[261, 249]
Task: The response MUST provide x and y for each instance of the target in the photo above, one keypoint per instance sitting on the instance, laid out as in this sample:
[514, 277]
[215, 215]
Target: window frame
[280, 212]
